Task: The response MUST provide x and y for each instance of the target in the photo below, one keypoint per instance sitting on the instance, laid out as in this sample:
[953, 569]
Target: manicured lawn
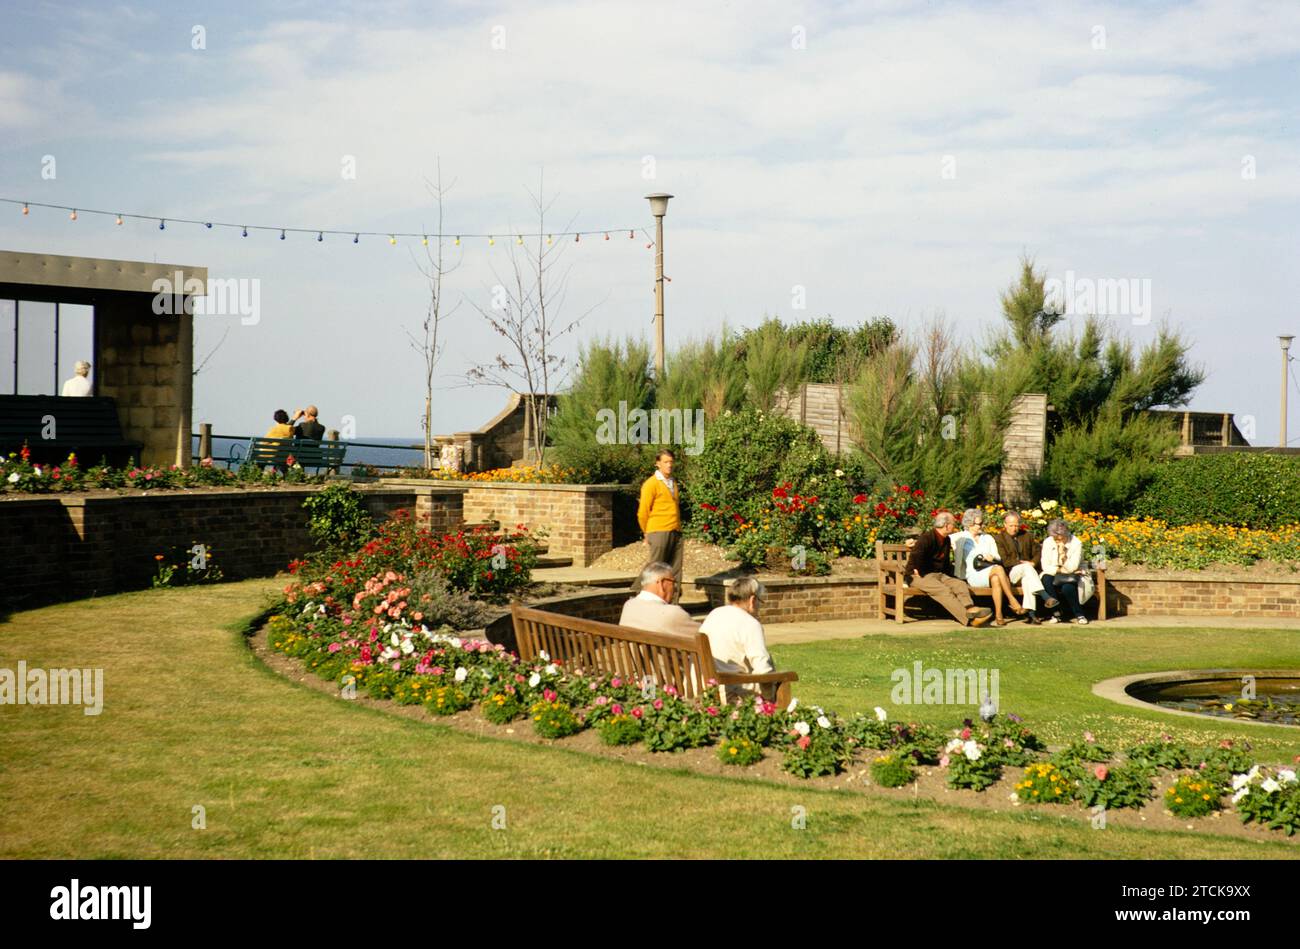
[1046, 675]
[191, 718]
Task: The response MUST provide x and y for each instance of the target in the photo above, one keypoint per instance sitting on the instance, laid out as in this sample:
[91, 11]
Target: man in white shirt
[652, 609]
[736, 636]
[78, 385]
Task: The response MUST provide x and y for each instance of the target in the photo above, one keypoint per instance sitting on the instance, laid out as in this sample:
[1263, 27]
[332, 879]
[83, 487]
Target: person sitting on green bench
[308, 427]
[281, 428]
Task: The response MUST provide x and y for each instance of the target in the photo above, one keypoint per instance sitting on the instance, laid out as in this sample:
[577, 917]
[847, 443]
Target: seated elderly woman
[983, 568]
[1062, 569]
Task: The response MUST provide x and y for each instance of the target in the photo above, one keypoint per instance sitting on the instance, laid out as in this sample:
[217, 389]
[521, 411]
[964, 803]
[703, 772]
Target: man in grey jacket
[653, 608]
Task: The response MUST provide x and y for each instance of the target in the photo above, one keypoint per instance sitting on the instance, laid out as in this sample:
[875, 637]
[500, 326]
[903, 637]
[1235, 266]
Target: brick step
[548, 560]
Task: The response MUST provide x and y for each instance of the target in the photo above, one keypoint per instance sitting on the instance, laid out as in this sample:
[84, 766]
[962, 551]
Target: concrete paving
[853, 628]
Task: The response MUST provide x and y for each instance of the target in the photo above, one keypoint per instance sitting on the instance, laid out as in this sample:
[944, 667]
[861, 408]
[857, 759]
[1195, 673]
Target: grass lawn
[192, 718]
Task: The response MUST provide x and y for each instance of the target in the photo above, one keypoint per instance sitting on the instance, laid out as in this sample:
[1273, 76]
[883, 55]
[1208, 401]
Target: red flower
[911, 512]
[804, 741]
[781, 491]
[905, 489]
[918, 493]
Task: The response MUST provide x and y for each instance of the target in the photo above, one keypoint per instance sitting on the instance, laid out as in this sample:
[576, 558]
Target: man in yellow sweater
[660, 517]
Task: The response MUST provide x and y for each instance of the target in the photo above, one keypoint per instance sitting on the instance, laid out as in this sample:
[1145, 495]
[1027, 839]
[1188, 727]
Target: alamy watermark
[1121, 296]
[651, 427]
[231, 296]
[933, 686]
[53, 687]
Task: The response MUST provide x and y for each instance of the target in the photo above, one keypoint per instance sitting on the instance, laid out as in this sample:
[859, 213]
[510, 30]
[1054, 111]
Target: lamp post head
[658, 203]
[1285, 341]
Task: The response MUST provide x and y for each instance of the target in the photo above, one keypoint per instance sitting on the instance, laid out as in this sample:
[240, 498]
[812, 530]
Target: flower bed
[1154, 543]
[18, 475]
[520, 474]
[407, 662]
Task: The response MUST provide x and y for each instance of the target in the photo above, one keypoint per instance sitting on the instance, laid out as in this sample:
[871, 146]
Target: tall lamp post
[1286, 359]
[659, 207]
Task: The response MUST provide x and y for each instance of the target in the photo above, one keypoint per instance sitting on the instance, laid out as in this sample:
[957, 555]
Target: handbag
[1087, 587]
[979, 563]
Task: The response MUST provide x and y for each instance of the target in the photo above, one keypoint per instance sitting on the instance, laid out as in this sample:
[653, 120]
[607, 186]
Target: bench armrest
[782, 679]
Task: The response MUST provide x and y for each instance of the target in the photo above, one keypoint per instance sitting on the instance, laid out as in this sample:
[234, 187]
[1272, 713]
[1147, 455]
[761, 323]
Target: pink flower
[618, 709]
[965, 733]
[549, 695]
[943, 761]
[397, 664]
[804, 741]
[436, 670]
[637, 713]
[658, 704]
[602, 700]
[711, 710]
[335, 647]
[1101, 771]
[615, 682]
[1088, 736]
[670, 690]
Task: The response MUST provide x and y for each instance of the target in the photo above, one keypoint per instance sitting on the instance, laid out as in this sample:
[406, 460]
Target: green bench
[307, 452]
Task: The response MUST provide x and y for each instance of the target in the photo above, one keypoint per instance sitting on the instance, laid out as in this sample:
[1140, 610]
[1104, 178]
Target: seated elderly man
[736, 636]
[1020, 551]
[930, 570]
[653, 609]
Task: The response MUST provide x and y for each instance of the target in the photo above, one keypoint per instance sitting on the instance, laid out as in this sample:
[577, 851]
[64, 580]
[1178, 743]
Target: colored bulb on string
[281, 233]
[457, 241]
[356, 238]
[162, 225]
[208, 225]
[576, 238]
[392, 240]
[320, 236]
[631, 236]
[26, 209]
[425, 240]
[119, 219]
[245, 232]
[548, 238]
[73, 215]
[491, 240]
[519, 239]
[606, 235]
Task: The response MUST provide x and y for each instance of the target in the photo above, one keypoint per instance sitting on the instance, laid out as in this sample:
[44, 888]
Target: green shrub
[740, 751]
[1127, 785]
[620, 729]
[1045, 783]
[1244, 489]
[1193, 795]
[337, 517]
[893, 770]
[1105, 465]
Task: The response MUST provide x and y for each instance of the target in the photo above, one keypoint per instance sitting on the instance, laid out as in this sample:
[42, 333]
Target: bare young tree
[426, 343]
[524, 311]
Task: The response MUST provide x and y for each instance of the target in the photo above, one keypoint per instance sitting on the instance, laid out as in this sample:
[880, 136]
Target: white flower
[14, 478]
[552, 669]
[461, 674]
[321, 608]
[971, 751]
[839, 473]
[824, 722]
[1048, 505]
[407, 647]
[542, 654]
[1240, 794]
[1240, 781]
[395, 639]
[1270, 785]
[803, 728]
[1286, 775]
[952, 746]
[486, 674]
[37, 471]
[789, 709]
[388, 653]
[533, 680]
[881, 714]
[1253, 773]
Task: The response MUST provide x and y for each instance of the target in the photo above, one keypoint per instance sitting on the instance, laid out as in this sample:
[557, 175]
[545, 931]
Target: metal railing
[239, 446]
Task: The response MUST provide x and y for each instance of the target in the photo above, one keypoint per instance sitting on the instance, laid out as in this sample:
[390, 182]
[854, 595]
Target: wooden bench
[891, 566]
[86, 425]
[684, 662]
[307, 452]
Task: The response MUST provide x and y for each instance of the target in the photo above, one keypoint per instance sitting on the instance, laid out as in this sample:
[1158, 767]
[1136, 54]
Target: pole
[659, 296]
[57, 391]
[16, 303]
[1286, 359]
[205, 440]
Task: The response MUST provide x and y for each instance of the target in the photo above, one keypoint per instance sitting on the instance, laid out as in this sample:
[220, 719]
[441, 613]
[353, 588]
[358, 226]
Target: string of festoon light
[393, 237]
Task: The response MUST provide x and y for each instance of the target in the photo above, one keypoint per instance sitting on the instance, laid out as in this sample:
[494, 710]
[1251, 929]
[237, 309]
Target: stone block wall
[804, 600]
[144, 363]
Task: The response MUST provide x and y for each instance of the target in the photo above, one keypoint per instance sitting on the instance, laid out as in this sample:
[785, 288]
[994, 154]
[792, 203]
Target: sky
[842, 159]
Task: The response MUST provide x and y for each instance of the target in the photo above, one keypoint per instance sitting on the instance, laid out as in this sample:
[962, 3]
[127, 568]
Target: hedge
[1246, 489]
